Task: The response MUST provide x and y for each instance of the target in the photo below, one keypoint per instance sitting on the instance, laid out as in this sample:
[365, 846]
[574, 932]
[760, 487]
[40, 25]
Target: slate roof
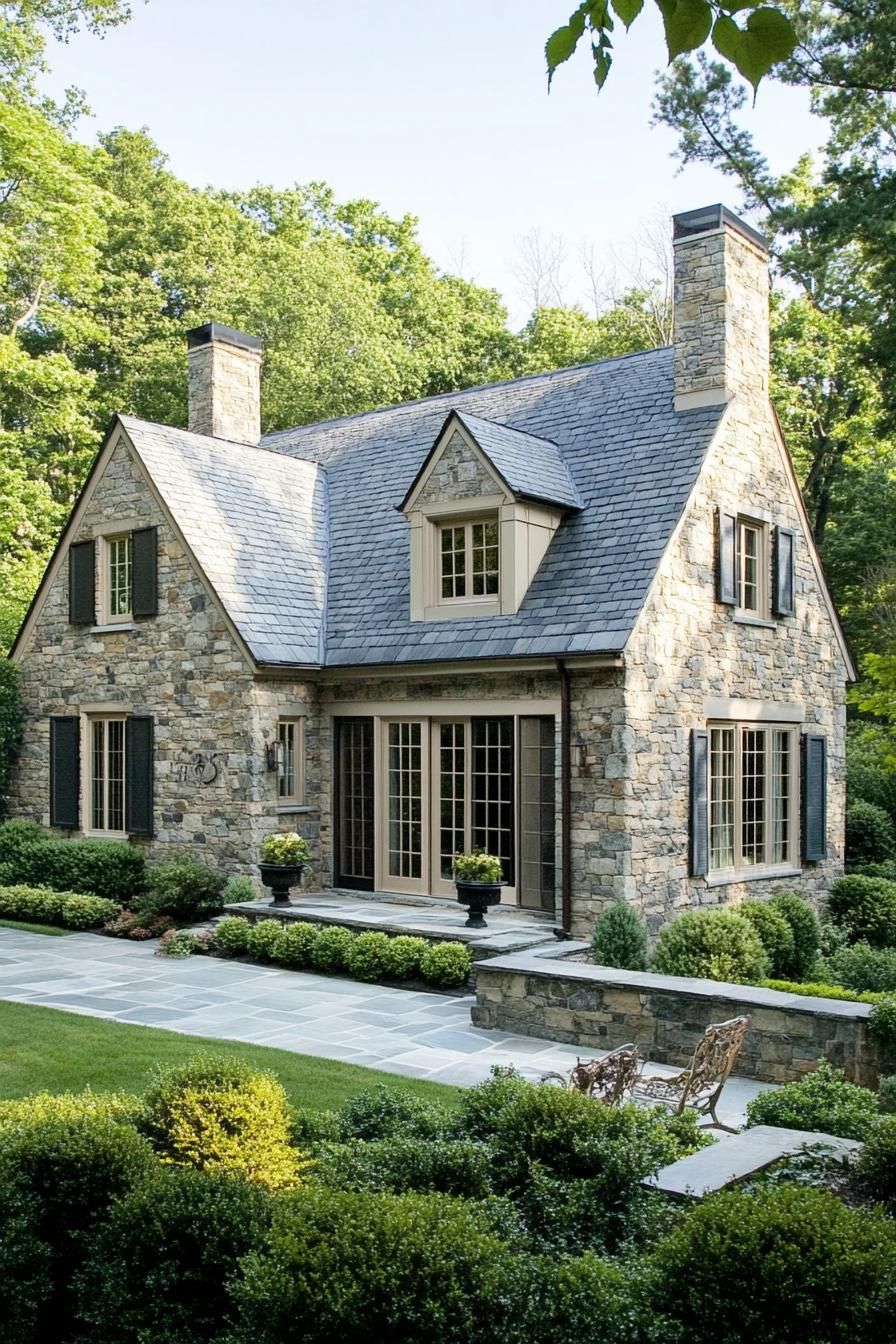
[302, 541]
[531, 466]
[257, 524]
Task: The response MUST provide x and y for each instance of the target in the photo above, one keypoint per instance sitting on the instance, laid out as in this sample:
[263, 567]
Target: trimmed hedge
[40, 905]
[775, 934]
[784, 1265]
[399, 1164]
[806, 932]
[823, 1101]
[711, 945]
[877, 1160]
[818, 990]
[112, 869]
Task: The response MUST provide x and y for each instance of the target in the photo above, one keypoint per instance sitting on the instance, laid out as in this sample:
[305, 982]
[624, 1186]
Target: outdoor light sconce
[580, 756]
[274, 755]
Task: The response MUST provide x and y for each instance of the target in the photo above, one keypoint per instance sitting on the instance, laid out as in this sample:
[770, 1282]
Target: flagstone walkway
[416, 1033]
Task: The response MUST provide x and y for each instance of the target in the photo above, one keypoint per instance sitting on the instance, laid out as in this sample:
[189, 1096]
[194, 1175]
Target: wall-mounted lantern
[274, 756]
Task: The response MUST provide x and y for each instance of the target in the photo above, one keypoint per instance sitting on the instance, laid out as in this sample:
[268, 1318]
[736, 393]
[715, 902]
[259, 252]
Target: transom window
[289, 760]
[107, 738]
[752, 796]
[119, 571]
[751, 559]
[469, 560]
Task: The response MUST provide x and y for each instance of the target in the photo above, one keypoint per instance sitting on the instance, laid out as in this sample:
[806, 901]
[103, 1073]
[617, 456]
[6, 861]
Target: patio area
[414, 1033]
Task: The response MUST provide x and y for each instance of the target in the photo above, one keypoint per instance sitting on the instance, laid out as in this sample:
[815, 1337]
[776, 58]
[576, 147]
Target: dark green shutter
[699, 803]
[815, 797]
[782, 579]
[65, 773]
[82, 583]
[145, 580]
[138, 755]
[726, 559]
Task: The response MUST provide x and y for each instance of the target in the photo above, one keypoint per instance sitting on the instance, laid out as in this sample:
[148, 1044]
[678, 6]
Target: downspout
[564, 930]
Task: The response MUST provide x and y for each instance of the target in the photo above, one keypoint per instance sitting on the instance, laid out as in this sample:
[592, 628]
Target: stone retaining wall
[599, 1007]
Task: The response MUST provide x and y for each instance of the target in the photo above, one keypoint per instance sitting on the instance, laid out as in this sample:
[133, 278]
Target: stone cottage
[577, 619]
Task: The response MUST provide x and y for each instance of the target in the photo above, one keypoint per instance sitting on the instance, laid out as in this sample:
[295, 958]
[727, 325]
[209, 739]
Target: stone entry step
[507, 930]
[738, 1156]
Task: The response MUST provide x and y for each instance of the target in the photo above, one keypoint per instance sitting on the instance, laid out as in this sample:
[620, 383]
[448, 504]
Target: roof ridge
[463, 392]
[182, 429]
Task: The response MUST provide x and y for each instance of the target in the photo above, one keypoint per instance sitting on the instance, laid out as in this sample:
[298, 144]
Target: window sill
[740, 618]
[118, 629]
[290, 809]
[727, 878]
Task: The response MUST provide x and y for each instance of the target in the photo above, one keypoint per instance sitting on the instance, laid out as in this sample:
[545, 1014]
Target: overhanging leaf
[628, 10]
[767, 40]
[687, 24]
[562, 43]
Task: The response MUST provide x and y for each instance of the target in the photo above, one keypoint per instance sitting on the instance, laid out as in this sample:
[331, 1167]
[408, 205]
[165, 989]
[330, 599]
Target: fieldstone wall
[721, 315]
[599, 1008]
[687, 647]
[458, 474]
[224, 391]
[213, 795]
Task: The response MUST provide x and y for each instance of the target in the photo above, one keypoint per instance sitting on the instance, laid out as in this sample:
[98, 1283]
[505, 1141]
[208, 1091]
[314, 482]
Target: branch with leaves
[754, 42]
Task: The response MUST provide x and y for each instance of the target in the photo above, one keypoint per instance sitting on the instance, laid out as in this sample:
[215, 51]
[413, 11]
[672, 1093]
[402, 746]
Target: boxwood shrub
[298, 944]
[401, 1163]
[806, 932]
[218, 1114]
[870, 833]
[71, 909]
[882, 1026]
[183, 889]
[232, 936]
[877, 1160]
[785, 1265]
[112, 869]
[446, 964]
[620, 938]
[822, 1101]
[866, 908]
[158, 1266]
[405, 956]
[331, 948]
[775, 934]
[711, 945]
[383, 1113]
[265, 940]
[367, 957]
[351, 1268]
[863, 967]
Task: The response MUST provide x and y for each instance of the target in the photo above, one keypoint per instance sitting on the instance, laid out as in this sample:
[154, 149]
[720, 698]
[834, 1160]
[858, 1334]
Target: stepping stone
[738, 1156]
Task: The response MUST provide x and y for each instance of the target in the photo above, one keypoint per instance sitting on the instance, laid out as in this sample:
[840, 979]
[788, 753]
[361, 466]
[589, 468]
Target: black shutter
[726, 560]
[782, 582]
[65, 774]
[138, 754]
[82, 583]
[699, 845]
[145, 572]
[815, 797]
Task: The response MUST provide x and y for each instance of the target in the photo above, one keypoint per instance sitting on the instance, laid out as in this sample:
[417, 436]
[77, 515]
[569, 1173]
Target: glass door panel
[492, 800]
[452, 793]
[406, 806]
[538, 823]
[354, 803]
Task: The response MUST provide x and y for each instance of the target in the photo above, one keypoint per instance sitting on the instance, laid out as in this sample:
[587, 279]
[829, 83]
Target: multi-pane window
[751, 792]
[289, 760]
[469, 560]
[751, 561]
[107, 775]
[119, 571]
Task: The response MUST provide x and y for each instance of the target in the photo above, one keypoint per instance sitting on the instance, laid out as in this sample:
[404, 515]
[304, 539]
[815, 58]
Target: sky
[436, 110]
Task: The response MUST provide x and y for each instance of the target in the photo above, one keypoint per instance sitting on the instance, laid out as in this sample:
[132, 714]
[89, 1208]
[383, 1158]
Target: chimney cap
[709, 219]
[210, 332]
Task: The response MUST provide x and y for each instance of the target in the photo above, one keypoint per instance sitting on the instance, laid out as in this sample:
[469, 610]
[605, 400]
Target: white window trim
[87, 722]
[120, 620]
[750, 872]
[296, 799]
[762, 614]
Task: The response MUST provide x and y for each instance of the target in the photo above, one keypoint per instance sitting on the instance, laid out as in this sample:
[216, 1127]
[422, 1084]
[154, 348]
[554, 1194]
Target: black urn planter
[477, 896]
[280, 877]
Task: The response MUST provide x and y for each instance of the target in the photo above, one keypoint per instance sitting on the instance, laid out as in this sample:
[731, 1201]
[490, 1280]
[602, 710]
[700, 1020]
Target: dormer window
[481, 514]
[470, 564]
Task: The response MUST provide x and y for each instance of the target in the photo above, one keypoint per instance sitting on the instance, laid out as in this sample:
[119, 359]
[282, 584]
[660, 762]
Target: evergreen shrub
[298, 944]
[266, 940]
[806, 932]
[823, 1101]
[775, 934]
[865, 968]
[866, 908]
[620, 938]
[183, 889]
[383, 1113]
[401, 1163]
[218, 1114]
[331, 949]
[870, 834]
[446, 964]
[711, 945]
[367, 958]
[232, 936]
[877, 1159]
[405, 955]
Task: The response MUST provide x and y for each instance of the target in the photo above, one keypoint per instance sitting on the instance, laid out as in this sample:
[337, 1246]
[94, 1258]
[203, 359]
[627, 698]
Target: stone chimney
[224, 383]
[721, 308]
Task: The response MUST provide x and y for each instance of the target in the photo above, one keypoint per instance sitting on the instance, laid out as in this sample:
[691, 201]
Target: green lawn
[54, 930]
[47, 1050]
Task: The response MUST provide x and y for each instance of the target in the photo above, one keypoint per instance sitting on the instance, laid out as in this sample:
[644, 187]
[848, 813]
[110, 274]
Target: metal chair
[607, 1079]
[700, 1084]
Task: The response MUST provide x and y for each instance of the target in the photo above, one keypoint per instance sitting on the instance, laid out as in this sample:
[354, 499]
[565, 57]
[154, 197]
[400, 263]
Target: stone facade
[224, 386]
[599, 1008]
[459, 473]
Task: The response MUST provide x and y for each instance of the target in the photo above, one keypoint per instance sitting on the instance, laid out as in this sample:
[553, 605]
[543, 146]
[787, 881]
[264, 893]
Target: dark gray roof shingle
[301, 539]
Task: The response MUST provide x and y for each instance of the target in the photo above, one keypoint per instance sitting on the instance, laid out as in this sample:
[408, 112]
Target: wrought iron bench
[700, 1084]
[608, 1079]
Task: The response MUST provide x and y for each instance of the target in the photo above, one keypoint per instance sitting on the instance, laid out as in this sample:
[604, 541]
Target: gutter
[564, 930]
